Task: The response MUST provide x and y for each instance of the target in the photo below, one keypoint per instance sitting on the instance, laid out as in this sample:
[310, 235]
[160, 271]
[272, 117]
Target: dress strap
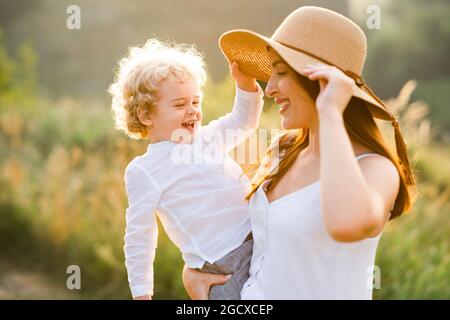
[366, 154]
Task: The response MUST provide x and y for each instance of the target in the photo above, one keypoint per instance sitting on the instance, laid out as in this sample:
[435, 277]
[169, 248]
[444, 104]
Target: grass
[413, 253]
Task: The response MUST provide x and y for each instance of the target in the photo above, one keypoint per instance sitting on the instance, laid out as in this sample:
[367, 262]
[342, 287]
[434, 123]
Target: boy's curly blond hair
[140, 74]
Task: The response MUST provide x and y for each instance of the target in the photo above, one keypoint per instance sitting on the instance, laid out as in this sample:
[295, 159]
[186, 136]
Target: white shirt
[200, 202]
[294, 257]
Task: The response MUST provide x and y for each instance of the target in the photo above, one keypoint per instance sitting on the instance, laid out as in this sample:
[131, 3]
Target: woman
[318, 207]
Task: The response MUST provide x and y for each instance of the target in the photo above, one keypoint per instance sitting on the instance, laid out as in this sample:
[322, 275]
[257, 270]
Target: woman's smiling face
[293, 94]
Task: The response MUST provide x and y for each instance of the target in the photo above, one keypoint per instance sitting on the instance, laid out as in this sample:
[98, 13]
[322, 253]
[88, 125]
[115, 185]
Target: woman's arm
[198, 284]
[355, 198]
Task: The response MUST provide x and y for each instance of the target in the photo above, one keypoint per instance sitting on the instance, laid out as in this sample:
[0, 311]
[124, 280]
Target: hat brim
[249, 49]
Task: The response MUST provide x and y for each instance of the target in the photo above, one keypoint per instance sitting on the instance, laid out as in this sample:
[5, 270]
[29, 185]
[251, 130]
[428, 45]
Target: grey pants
[237, 263]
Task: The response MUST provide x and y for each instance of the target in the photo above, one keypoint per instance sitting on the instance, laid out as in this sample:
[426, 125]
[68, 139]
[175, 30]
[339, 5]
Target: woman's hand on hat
[336, 88]
[243, 81]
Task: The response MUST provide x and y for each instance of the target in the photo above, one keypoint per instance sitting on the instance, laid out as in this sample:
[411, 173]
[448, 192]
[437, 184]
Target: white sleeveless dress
[294, 257]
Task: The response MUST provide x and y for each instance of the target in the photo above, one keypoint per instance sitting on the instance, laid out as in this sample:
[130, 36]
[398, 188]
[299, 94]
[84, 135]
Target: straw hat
[311, 35]
[307, 35]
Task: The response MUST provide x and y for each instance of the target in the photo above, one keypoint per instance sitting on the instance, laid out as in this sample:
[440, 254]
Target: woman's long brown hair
[360, 127]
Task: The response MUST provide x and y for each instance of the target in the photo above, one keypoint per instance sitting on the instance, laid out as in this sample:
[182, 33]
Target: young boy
[186, 176]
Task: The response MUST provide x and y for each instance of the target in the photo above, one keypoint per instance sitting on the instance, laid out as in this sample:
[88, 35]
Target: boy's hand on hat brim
[243, 81]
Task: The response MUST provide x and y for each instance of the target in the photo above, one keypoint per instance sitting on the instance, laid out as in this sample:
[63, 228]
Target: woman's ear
[144, 115]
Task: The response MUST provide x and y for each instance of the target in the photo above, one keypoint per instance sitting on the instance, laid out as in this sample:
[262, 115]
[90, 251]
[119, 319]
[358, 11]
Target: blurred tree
[80, 62]
[17, 76]
[414, 42]
[12, 11]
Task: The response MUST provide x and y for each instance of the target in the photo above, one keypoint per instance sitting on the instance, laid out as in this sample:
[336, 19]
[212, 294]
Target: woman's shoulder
[375, 162]
[373, 156]
[380, 171]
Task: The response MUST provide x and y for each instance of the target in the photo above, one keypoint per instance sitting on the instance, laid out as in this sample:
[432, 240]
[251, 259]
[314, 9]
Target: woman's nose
[270, 88]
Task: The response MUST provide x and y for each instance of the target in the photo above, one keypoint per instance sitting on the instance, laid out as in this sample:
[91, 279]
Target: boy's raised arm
[236, 126]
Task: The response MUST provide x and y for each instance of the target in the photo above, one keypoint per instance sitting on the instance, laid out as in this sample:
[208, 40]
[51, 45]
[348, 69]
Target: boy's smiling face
[177, 113]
